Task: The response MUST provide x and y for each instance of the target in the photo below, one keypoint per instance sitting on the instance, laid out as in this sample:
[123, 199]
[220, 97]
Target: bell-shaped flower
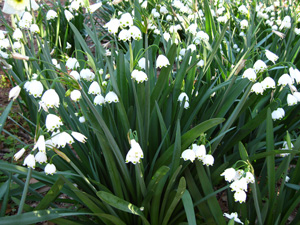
[257, 88]
[291, 100]
[19, 6]
[74, 6]
[139, 76]
[81, 119]
[296, 94]
[250, 74]
[239, 185]
[126, 20]
[79, 137]
[233, 215]
[61, 139]
[278, 114]
[41, 157]
[124, 35]
[112, 26]
[29, 161]
[75, 75]
[51, 14]
[4, 43]
[14, 92]
[200, 151]
[19, 154]
[94, 88]
[87, 74]
[34, 29]
[135, 153]
[135, 33]
[259, 66]
[68, 15]
[162, 61]
[188, 154]
[271, 56]
[35, 88]
[285, 79]
[40, 144]
[240, 196]
[27, 17]
[193, 29]
[295, 74]
[99, 100]
[208, 160]
[268, 82]
[50, 169]
[229, 174]
[244, 24]
[72, 63]
[92, 8]
[53, 122]
[142, 63]
[111, 97]
[243, 10]
[50, 99]
[201, 36]
[17, 35]
[249, 178]
[75, 95]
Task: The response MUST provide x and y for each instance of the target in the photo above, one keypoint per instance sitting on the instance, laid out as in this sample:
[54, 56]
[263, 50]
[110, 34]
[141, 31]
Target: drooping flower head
[18, 6]
[135, 153]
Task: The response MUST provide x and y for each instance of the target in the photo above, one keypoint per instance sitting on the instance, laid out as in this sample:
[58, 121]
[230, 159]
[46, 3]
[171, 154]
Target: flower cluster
[233, 216]
[240, 180]
[198, 152]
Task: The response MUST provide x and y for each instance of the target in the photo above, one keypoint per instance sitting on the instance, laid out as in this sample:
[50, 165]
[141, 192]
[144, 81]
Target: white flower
[51, 14]
[29, 161]
[297, 31]
[34, 29]
[208, 160]
[61, 139]
[124, 35]
[27, 17]
[200, 63]
[19, 6]
[111, 97]
[87, 74]
[259, 66]
[296, 94]
[40, 144]
[244, 24]
[17, 35]
[135, 33]
[4, 43]
[94, 7]
[79, 137]
[257, 88]
[250, 74]
[53, 122]
[68, 45]
[75, 95]
[142, 63]
[240, 196]
[144, 4]
[268, 82]
[139, 76]
[68, 15]
[188, 154]
[99, 100]
[35, 88]
[271, 56]
[201, 36]
[250, 178]
[162, 61]
[182, 96]
[243, 10]
[295, 74]
[112, 26]
[126, 20]
[74, 5]
[50, 169]
[72, 63]
[19, 154]
[166, 36]
[291, 100]
[135, 153]
[163, 10]
[193, 28]
[41, 157]
[285, 79]
[229, 174]
[81, 119]
[94, 88]
[75, 75]
[234, 216]
[50, 99]
[278, 114]
[199, 150]
[14, 92]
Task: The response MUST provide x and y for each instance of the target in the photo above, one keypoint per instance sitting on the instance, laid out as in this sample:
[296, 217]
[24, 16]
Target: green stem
[25, 190]
[131, 57]
[140, 177]
[5, 200]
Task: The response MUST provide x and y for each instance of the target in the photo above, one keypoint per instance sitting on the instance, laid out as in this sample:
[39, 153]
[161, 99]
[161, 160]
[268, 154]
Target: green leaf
[4, 115]
[121, 204]
[189, 208]
[243, 152]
